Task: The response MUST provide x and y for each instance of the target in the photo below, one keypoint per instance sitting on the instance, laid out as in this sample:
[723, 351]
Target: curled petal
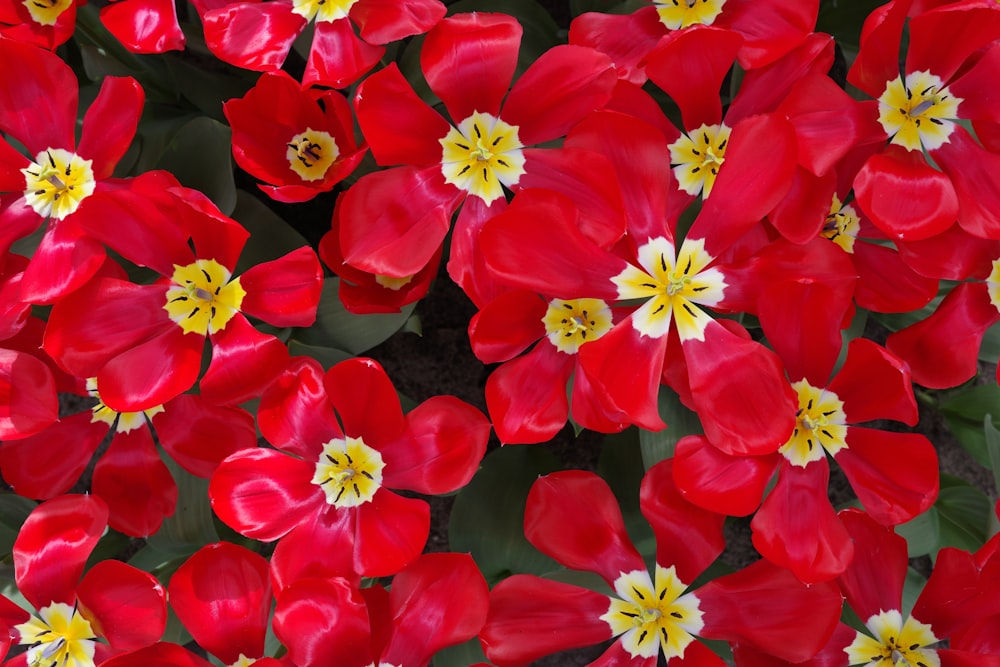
[874, 384]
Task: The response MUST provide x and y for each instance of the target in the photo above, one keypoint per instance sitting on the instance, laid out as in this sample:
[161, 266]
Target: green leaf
[191, 526]
[337, 328]
[965, 411]
[487, 518]
[13, 511]
[913, 586]
[963, 514]
[921, 533]
[328, 357]
[199, 156]
[621, 466]
[207, 88]
[680, 422]
[992, 437]
[461, 655]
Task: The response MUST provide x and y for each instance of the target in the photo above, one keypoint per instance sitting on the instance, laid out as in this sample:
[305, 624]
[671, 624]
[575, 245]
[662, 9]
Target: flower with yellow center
[842, 225]
[651, 618]
[894, 643]
[481, 155]
[323, 10]
[243, 661]
[393, 283]
[678, 14]
[349, 472]
[570, 324]
[918, 113]
[126, 421]
[820, 424]
[46, 12]
[203, 298]
[60, 637]
[697, 157]
[311, 153]
[673, 288]
[57, 182]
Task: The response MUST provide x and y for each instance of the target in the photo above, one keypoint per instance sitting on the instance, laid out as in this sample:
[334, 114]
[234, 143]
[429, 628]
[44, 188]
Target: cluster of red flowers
[624, 231]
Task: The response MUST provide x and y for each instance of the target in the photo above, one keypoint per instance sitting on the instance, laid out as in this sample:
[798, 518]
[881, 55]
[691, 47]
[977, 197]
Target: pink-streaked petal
[338, 56]
[627, 39]
[37, 467]
[263, 493]
[252, 35]
[284, 292]
[874, 384]
[133, 480]
[573, 517]
[222, 595]
[64, 260]
[687, 537]
[709, 478]
[144, 26]
[295, 414]
[53, 545]
[873, 582]
[244, 362]
[38, 97]
[469, 60]
[526, 396]
[507, 325]
[323, 622]
[365, 400]
[199, 435]
[384, 21]
[28, 402]
[111, 120]
[129, 605]
[466, 265]
[797, 528]
[391, 532]
[531, 617]
[321, 546]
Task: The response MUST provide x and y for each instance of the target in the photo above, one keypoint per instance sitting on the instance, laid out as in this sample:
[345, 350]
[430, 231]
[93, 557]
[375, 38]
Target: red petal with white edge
[797, 528]
[565, 84]
[767, 607]
[131, 477]
[886, 284]
[526, 396]
[895, 475]
[391, 531]
[162, 654]
[323, 622]
[399, 126]
[144, 26]
[394, 221]
[709, 478]
[244, 362]
[874, 580]
[65, 259]
[831, 655]
[965, 28]
[628, 389]
[199, 435]
[507, 325]
[942, 350]
[338, 56]
[904, 196]
[531, 617]
[129, 605]
[295, 414]
[152, 372]
[28, 402]
[263, 493]
[687, 537]
[753, 411]
[466, 265]
[970, 167]
[37, 467]
[573, 517]
[111, 120]
[252, 35]
[38, 97]
[384, 21]
[469, 60]
[222, 595]
[627, 39]
[365, 400]
[536, 245]
[439, 600]
[322, 546]
[690, 65]
[284, 292]
[53, 545]
[874, 384]
[954, 254]
[878, 59]
[445, 441]
[758, 172]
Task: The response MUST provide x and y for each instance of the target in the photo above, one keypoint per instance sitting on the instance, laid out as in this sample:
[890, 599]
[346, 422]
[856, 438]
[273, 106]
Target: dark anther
[704, 135]
[333, 460]
[464, 169]
[497, 140]
[207, 277]
[826, 433]
[357, 491]
[476, 129]
[662, 594]
[502, 163]
[51, 160]
[809, 405]
[649, 285]
[677, 614]
[368, 475]
[192, 313]
[688, 309]
[350, 461]
[658, 309]
[464, 147]
[339, 494]
[486, 175]
[643, 635]
[663, 262]
[723, 144]
[695, 170]
[639, 593]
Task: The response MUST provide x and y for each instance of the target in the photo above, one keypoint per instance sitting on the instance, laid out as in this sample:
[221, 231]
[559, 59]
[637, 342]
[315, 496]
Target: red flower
[45, 24]
[327, 485]
[144, 26]
[301, 142]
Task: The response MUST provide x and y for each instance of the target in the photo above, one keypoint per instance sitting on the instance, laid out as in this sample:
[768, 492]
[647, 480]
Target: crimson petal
[391, 532]
[338, 56]
[323, 622]
[129, 605]
[252, 35]
[28, 402]
[244, 362]
[295, 414]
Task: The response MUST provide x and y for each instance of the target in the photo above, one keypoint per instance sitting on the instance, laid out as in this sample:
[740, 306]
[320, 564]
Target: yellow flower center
[570, 324]
[349, 472]
[127, 421]
[46, 12]
[60, 637]
[919, 112]
[842, 225]
[673, 289]
[894, 643]
[993, 284]
[481, 155]
[697, 158]
[820, 425]
[311, 153]
[203, 299]
[56, 182]
[390, 282]
[651, 618]
[243, 661]
[677, 14]
[322, 10]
